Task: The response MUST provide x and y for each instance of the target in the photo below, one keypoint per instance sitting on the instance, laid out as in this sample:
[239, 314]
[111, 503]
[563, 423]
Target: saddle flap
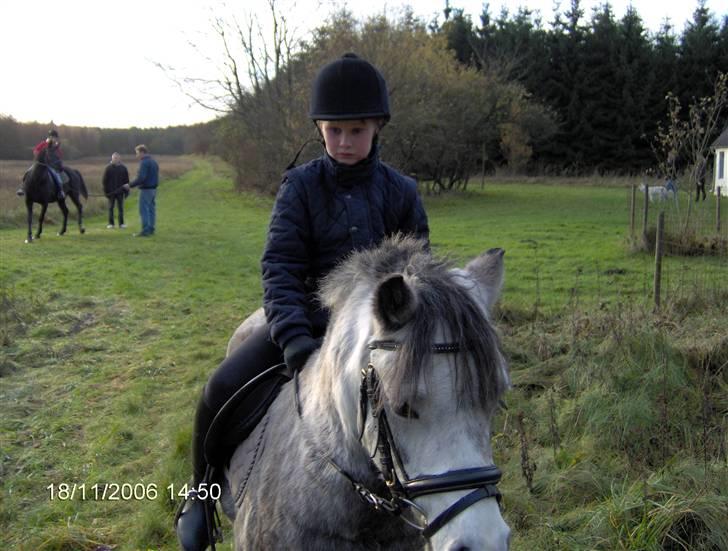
[242, 412]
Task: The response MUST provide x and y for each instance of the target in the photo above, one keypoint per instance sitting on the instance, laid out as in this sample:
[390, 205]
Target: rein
[106, 194]
[403, 489]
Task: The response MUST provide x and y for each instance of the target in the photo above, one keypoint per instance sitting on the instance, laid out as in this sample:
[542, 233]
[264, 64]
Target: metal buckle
[418, 523]
[377, 502]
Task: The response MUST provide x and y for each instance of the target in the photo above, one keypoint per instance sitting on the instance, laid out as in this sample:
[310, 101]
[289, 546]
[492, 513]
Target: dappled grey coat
[324, 211]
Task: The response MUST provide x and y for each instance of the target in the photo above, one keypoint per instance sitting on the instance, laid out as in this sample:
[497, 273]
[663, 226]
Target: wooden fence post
[658, 257]
[644, 216]
[632, 209]
[717, 211]
[482, 169]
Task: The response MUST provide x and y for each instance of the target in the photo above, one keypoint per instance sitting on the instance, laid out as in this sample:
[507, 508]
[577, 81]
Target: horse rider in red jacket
[48, 152]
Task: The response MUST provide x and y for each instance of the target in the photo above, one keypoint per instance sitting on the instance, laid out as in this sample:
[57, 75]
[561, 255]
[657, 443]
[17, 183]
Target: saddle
[242, 412]
[65, 177]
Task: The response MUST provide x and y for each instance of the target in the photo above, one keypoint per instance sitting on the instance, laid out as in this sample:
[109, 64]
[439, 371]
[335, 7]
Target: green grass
[106, 341]
[564, 244]
[110, 344]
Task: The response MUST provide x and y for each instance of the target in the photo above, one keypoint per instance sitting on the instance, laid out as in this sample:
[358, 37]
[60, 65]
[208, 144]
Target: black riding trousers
[256, 354]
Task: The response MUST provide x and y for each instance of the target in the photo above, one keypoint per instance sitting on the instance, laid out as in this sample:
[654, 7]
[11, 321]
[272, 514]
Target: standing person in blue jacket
[345, 200]
[147, 180]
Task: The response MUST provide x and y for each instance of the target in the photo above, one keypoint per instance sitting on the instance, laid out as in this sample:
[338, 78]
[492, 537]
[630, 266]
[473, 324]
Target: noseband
[403, 489]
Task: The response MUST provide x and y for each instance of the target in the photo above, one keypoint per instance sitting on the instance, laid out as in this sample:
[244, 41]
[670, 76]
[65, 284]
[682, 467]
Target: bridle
[402, 490]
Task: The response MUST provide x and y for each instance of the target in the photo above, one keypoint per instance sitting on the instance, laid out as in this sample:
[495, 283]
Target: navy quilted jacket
[324, 211]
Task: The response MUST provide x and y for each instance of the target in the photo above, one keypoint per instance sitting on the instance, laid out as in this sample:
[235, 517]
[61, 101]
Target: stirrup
[212, 517]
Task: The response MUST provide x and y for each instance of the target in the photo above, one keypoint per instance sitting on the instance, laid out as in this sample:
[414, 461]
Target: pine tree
[602, 91]
[637, 80]
[699, 61]
[664, 63]
[458, 29]
[563, 90]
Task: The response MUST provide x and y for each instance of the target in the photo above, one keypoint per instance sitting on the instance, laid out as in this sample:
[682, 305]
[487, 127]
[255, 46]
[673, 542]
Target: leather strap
[437, 348]
[462, 479]
[458, 507]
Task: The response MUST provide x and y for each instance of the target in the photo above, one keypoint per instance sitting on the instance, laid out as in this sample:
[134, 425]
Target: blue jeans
[148, 209]
[56, 177]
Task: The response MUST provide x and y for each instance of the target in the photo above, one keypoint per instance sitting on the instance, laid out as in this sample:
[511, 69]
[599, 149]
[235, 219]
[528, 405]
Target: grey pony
[282, 491]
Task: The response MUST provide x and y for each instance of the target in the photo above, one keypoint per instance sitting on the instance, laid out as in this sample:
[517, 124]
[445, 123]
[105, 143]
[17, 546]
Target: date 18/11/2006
[113, 491]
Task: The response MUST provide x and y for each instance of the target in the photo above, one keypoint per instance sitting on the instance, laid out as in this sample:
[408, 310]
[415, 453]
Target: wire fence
[692, 264]
[691, 251]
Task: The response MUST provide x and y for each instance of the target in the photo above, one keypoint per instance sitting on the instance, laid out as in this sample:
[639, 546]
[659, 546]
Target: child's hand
[298, 350]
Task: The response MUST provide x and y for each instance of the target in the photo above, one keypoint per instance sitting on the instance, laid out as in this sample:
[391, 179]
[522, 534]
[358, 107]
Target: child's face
[349, 141]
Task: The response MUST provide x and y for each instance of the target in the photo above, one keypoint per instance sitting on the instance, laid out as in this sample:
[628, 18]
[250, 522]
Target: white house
[720, 172]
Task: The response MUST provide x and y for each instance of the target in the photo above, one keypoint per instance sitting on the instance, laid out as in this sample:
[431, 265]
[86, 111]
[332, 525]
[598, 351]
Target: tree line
[447, 116]
[580, 95]
[606, 79]
[17, 139]
[577, 95]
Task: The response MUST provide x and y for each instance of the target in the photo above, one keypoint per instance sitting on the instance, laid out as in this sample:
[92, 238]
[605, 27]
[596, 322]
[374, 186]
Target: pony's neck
[329, 420]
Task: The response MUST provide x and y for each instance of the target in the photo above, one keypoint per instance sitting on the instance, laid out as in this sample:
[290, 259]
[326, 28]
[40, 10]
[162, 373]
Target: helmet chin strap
[320, 139]
[292, 164]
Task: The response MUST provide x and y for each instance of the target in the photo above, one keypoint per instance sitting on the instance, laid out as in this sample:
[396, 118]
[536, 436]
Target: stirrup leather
[213, 525]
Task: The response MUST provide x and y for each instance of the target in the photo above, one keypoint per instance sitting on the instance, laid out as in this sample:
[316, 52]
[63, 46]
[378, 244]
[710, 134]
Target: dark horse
[39, 187]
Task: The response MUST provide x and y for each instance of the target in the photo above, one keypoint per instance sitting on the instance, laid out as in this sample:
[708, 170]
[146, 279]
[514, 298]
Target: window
[721, 165]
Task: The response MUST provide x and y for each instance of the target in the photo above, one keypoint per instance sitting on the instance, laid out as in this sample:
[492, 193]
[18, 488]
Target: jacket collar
[350, 175]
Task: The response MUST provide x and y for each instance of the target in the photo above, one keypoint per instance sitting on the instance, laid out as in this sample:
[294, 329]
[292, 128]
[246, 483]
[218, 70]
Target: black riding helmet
[349, 88]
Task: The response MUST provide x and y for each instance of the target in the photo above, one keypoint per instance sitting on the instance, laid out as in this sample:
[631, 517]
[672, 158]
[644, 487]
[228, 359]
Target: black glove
[298, 350]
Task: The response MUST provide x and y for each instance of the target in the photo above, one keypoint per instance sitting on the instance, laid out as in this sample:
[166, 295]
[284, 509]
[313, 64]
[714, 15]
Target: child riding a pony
[345, 200]
[49, 153]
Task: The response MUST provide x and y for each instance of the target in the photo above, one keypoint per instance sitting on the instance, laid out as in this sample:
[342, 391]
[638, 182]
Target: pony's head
[418, 375]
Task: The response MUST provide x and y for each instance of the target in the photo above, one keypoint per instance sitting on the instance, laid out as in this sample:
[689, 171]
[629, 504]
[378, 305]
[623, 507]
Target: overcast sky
[93, 63]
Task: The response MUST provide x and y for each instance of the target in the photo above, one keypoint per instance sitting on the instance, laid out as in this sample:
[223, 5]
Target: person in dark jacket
[700, 171]
[147, 180]
[115, 177]
[48, 152]
[348, 199]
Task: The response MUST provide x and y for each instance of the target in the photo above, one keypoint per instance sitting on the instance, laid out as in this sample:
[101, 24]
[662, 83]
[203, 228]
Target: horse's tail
[82, 185]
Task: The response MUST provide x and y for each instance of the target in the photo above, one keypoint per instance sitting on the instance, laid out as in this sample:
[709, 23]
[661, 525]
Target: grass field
[106, 341]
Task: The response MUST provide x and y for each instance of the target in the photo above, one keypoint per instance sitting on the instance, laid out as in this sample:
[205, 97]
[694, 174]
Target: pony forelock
[445, 306]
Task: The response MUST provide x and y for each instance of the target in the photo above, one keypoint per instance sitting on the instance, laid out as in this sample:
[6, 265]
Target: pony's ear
[487, 270]
[394, 303]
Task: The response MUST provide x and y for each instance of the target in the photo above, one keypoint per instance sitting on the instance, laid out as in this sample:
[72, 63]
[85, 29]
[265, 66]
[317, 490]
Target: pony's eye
[404, 410]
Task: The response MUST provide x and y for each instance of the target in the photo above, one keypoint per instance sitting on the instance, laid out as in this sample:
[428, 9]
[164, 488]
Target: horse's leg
[79, 207]
[29, 207]
[64, 209]
[43, 209]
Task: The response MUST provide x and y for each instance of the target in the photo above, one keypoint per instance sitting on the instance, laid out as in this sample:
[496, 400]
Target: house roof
[722, 140]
